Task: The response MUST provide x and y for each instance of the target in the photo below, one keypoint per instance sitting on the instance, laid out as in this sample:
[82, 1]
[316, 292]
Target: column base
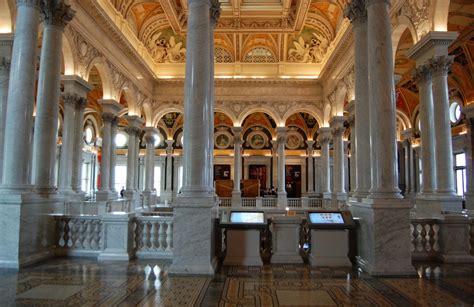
[135, 197]
[286, 234]
[16, 188]
[193, 236]
[72, 196]
[383, 236]
[236, 199]
[31, 228]
[282, 200]
[105, 195]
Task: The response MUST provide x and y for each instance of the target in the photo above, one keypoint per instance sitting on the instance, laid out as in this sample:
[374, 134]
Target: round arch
[131, 98]
[271, 113]
[166, 109]
[105, 76]
[147, 112]
[440, 14]
[311, 112]
[403, 23]
[68, 57]
[227, 113]
[341, 94]
[6, 17]
[326, 115]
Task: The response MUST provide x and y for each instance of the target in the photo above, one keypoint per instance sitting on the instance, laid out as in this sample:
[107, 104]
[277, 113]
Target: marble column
[408, 162]
[324, 139]
[274, 163]
[136, 182]
[78, 147]
[167, 194]
[20, 101]
[427, 149]
[469, 195]
[384, 228]
[357, 13]
[113, 154]
[67, 147]
[445, 187]
[55, 15]
[236, 192]
[6, 43]
[352, 154]
[149, 192]
[337, 130]
[281, 142]
[133, 130]
[195, 208]
[310, 152]
[110, 109]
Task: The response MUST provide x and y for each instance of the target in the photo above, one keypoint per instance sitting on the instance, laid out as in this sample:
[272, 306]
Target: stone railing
[78, 235]
[154, 236]
[269, 202]
[225, 202]
[424, 242]
[272, 202]
[97, 207]
[294, 203]
[315, 203]
[119, 205]
[249, 202]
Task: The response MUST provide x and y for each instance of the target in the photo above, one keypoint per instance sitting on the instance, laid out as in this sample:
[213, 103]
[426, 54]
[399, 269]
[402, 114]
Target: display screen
[247, 217]
[326, 218]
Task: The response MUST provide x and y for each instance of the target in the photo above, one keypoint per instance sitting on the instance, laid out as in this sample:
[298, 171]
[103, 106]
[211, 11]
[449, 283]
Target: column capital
[134, 121]
[56, 13]
[407, 134]
[73, 99]
[433, 44]
[441, 65]
[33, 3]
[132, 131]
[237, 130]
[356, 12]
[215, 11]
[169, 147]
[422, 73]
[324, 135]
[115, 122]
[281, 135]
[310, 148]
[77, 85]
[108, 117]
[110, 106]
[337, 121]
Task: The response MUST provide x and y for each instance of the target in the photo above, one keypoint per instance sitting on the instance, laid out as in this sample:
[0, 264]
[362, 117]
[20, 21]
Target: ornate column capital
[356, 12]
[441, 65]
[215, 12]
[422, 73]
[74, 99]
[310, 149]
[370, 2]
[56, 13]
[149, 139]
[33, 3]
[108, 117]
[169, 147]
[115, 122]
[281, 135]
[324, 136]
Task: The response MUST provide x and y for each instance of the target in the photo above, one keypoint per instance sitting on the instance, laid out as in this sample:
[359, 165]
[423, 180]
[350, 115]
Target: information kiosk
[243, 237]
[330, 238]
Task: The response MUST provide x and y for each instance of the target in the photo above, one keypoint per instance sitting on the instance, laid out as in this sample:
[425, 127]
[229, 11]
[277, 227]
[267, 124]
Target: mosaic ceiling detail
[256, 31]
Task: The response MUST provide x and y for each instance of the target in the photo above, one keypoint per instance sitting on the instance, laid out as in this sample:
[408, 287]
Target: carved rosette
[56, 13]
[108, 117]
[422, 74]
[33, 3]
[215, 12]
[440, 66]
[356, 12]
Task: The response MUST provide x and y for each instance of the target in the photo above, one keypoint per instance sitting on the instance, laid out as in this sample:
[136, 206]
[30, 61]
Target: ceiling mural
[270, 31]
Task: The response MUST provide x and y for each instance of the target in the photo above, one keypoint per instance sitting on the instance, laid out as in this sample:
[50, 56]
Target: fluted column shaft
[67, 147]
[357, 13]
[78, 146]
[113, 154]
[310, 152]
[324, 139]
[442, 130]
[21, 98]
[6, 44]
[131, 157]
[149, 161]
[427, 150]
[169, 165]
[337, 129]
[382, 101]
[107, 119]
[198, 148]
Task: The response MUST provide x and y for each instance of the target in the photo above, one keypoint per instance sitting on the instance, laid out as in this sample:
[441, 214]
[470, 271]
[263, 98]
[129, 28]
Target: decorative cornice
[57, 14]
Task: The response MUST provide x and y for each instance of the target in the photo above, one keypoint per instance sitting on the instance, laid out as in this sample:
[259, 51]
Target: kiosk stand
[243, 238]
[330, 238]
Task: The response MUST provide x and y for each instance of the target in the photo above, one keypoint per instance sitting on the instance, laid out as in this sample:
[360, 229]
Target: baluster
[419, 247]
[145, 235]
[169, 236]
[153, 235]
[436, 237]
[423, 237]
[429, 235]
[61, 230]
[82, 236]
[161, 236]
[87, 241]
[72, 234]
[412, 238]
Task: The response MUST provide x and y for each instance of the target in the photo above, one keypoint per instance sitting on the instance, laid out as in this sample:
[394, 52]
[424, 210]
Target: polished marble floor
[85, 282]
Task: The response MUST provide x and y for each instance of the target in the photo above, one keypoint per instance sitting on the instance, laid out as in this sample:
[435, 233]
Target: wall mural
[310, 47]
[166, 47]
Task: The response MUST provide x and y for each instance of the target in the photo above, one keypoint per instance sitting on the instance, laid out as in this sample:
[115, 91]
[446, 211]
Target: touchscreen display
[326, 218]
[247, 217]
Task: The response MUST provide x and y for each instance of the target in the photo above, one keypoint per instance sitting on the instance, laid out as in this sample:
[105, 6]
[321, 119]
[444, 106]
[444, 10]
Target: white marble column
[324, 139]
[236, 192]
[78, 147]
[408, 162]
[167, 194]
[357, 13]
[67, 147]
[445, 187]
[274, 163]
[55, 15]
[310, 152]
[20, 103]
[195, 207]
[469, 195]
[281, 142]
[351, 155]
[6, 43]
[133, 130]
[337, 130]
[150, 133]
[427, 149]
[382, 101]
[113, 154]
[136, 182]
[110, 109]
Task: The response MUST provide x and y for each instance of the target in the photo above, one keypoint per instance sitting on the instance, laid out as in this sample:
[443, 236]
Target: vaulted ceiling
[248, 31]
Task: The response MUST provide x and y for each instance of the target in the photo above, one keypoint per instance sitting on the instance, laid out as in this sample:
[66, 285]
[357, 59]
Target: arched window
[260, 55]
[221, 55]
[454, 112]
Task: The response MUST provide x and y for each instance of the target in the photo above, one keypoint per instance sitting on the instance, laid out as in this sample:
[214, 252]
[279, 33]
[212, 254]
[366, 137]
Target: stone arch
[105, 76]
[341, 94]
[326, 115]
[439, 15]
[68, 57]
[131, 97]
[166, 109]
[227, 113]
[403, 23]
[6, 17]
[310, 111]
[147, 112]
[267, 111]
[404, 119]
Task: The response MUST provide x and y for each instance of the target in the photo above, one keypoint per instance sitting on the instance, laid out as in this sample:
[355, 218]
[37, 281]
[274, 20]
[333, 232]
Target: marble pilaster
[352, 153]
[324, 139]
[20, 101]
[6, 43]
[67, 147]
[469, 195]
[337, 130]
[195, 208]
[236, 192]
[281, 142]
[110, 109]
[310, 152]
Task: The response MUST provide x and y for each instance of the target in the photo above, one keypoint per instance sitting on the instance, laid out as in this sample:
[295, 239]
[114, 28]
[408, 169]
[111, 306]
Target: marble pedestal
[432, 205]
[236, 200]
[135, 198]
[243, 247]
[194, 236]
[286, 239]
[105, 195]
[282, 199]
[166, 196]
[329, 247]
[383, 236]
[117, 233]
[454, 239]
[149, 199]
[28, 228]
